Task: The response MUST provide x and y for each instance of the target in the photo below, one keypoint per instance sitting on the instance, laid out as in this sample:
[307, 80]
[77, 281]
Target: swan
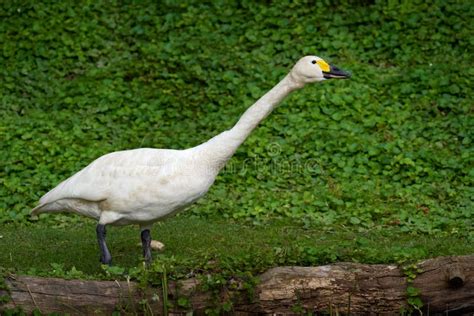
[141, 186]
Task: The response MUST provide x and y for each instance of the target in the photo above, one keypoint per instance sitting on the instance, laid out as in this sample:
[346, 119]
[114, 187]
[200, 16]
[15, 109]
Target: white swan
[144, 185]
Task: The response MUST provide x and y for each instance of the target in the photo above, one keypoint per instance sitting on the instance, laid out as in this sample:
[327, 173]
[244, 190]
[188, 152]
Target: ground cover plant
[389, 150]
[216, 245]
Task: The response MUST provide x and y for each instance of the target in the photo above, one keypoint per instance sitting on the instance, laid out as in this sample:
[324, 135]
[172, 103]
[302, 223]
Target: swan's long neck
[261, 109]
[220, 148]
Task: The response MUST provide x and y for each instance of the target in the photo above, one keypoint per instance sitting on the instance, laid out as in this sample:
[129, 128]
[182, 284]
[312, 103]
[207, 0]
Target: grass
[209, 244]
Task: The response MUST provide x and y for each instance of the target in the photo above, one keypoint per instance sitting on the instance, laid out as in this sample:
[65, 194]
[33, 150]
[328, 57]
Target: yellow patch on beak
[324, 65]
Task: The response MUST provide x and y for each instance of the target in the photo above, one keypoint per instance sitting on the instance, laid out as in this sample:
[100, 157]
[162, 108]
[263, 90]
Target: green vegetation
[378, 168]
[218, 245]
[217, 251]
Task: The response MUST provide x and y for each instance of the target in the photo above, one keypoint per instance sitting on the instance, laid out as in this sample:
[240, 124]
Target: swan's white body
[133, 186]
[141, 186]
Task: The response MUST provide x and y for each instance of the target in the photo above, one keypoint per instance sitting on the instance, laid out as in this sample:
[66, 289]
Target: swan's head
[313, 68]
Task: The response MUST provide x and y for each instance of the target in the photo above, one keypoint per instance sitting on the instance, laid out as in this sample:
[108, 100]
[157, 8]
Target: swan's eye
[314, 62]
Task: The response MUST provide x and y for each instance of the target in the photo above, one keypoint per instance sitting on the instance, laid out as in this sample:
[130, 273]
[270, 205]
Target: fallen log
[445, 285]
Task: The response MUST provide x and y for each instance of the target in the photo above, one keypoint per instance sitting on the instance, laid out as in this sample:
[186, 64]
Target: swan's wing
[109, 173]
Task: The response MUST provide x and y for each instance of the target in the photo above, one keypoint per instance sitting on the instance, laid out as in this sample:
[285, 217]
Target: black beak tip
[336, 73]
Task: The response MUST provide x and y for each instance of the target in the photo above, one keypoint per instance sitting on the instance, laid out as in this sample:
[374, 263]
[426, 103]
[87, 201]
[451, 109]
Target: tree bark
[446, 285]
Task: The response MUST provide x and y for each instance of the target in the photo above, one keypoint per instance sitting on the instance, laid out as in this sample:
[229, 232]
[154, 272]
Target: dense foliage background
[391, 146]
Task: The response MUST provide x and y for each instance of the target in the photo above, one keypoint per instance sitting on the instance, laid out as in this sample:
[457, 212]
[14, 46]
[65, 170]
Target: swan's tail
[36, 210]
[78, 206]
[44, 207]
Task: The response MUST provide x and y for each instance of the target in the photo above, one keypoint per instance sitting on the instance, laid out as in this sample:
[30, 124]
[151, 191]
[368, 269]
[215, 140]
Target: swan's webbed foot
[146, 243]
[105, 257]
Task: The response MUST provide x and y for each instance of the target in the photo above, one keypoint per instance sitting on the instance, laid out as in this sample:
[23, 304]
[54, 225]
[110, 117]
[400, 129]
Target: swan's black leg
[146, 243]
[105, 256]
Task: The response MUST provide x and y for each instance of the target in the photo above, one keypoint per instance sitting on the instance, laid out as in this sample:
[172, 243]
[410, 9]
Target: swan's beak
[335, 73]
